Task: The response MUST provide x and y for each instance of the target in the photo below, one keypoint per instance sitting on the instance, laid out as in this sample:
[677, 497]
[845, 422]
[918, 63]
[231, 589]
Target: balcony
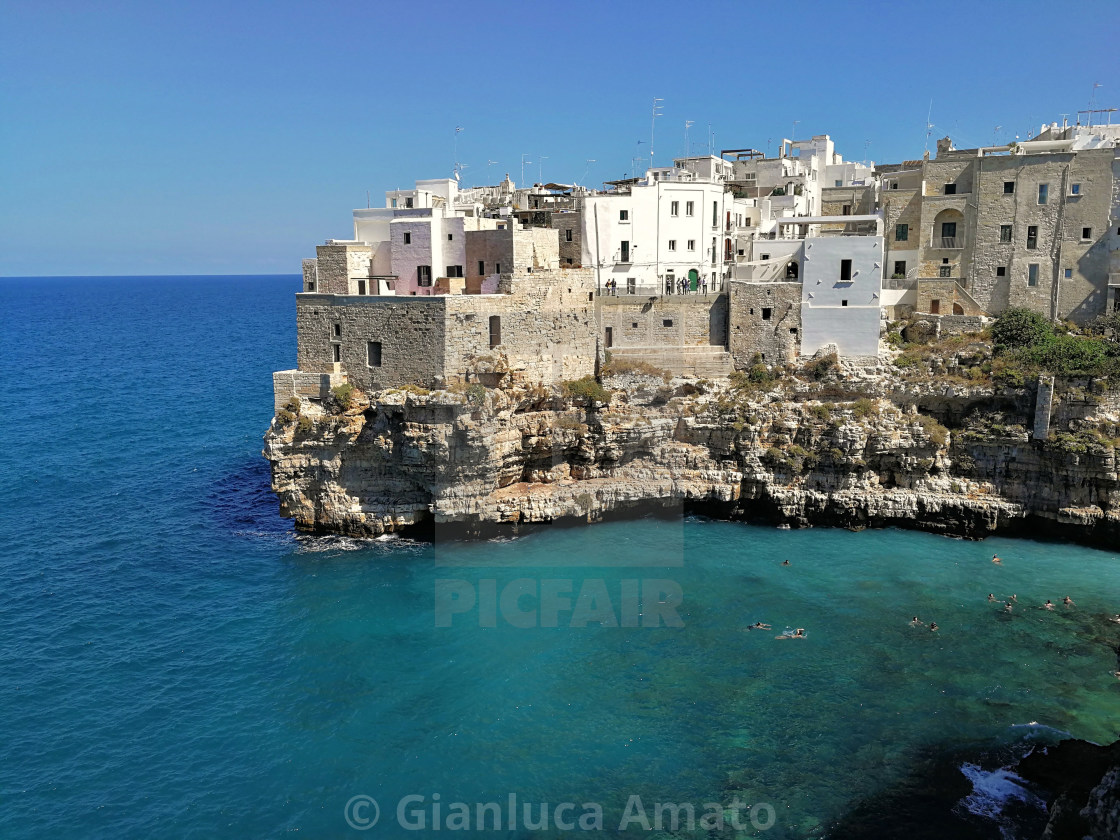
[947, 243]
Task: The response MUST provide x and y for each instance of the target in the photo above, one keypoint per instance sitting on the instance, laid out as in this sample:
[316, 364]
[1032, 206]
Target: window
[715, 251]
[900, 268]
[608, 337]
[715, 214]
[624, 215]
[1043, 193]
[361, 287]
[337, 349]
[950, 189]
[901, 233]
[1005, 233]
[672, 244]
[764, 256]
[1032, 237]
[568, 235]
[674, 208]
[838, 183]
[497, 268]
[1069, 273]
[1008, 187]
[569, 261]
[894, 185]
[373, 354]
[450, 237]
[393, 203]
[495, 330]
[844, 303]
[1075, 189]
[688, 208]
[1001, 271]
[407, 238]
[1086, 233]
[423, 275]
[692, 244]
[846, 210]
[948, 230]
[668, 322]
[945, 271]
[845, 270]
[310, 285]
[337, 329]
[766, 313]
[631, 285]
[1032, 274]
[408, 203]
[481, 267]
[625, 251]
[454, 271]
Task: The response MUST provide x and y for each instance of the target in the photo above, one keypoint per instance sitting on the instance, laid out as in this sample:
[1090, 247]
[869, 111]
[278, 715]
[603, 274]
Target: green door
[693, 279]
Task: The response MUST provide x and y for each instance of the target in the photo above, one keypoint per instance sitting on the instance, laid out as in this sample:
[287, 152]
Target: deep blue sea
[176, 662]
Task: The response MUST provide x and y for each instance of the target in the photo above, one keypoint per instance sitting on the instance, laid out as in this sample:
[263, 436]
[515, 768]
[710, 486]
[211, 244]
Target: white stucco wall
[842, 313]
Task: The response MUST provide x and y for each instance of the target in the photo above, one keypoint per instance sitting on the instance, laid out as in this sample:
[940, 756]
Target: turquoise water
[174, 661]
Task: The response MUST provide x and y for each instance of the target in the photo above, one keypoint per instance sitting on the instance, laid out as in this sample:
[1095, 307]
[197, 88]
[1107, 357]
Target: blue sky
[204, 137]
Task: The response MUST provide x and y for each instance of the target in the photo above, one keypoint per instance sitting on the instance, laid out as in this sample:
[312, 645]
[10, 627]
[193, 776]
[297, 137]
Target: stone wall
[664, 321]
[411, 331]
[546, 329]
[765, 318]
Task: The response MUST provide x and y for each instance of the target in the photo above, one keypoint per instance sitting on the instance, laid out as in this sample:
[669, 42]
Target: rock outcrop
[828, 445]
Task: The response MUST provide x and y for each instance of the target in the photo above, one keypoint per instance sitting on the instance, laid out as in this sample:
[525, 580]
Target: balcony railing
[948, 242]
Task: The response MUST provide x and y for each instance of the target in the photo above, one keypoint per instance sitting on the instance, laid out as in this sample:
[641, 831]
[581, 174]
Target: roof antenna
[929, 127]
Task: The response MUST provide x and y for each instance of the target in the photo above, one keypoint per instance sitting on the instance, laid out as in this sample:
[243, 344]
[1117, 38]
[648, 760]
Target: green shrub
[343, 395]
[285, 416]
[293, 405]
[586, 389]
[305, 424]
[908, 360]
[475, 393]
[864, 407]
[1018, 327]
[774, 458]
[934, 430]
[823, 366]
[821, 412]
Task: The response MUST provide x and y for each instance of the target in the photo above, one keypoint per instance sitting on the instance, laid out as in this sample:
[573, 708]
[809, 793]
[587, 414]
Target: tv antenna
[655, 112]
[687, 125]
[540, 167]
[489, 163]
[523, 162]
[929, 126]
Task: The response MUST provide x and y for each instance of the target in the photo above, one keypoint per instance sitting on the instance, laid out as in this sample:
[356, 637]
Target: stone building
[1029, 224]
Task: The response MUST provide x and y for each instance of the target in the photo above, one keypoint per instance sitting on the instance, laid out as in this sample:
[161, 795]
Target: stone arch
[948, 229]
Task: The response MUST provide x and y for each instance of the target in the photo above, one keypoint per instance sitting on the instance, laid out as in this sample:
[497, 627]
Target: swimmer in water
[1068, 601]
[1048, 605]
[798, 634]
[785, 562]
[758, 625]
[1013, 600]
[933, 626]
[991, 597]
[1007, 607]
[1116, 618]
[916, 621]
[996, 560]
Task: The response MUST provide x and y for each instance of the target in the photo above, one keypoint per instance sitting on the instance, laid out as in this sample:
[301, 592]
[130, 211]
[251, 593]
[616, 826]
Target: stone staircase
[705, 361]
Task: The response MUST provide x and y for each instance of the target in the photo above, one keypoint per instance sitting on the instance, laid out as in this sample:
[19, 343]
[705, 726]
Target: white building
[675, 223]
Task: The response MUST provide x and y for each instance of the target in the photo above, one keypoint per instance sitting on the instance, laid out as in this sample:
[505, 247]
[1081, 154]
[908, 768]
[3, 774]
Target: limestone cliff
[825, 445]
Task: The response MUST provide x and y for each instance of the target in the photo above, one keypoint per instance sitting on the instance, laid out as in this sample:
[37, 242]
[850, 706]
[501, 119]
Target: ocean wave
[994, 793]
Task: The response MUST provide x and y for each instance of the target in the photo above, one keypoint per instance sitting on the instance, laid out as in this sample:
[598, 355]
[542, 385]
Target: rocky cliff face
[827, 445]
